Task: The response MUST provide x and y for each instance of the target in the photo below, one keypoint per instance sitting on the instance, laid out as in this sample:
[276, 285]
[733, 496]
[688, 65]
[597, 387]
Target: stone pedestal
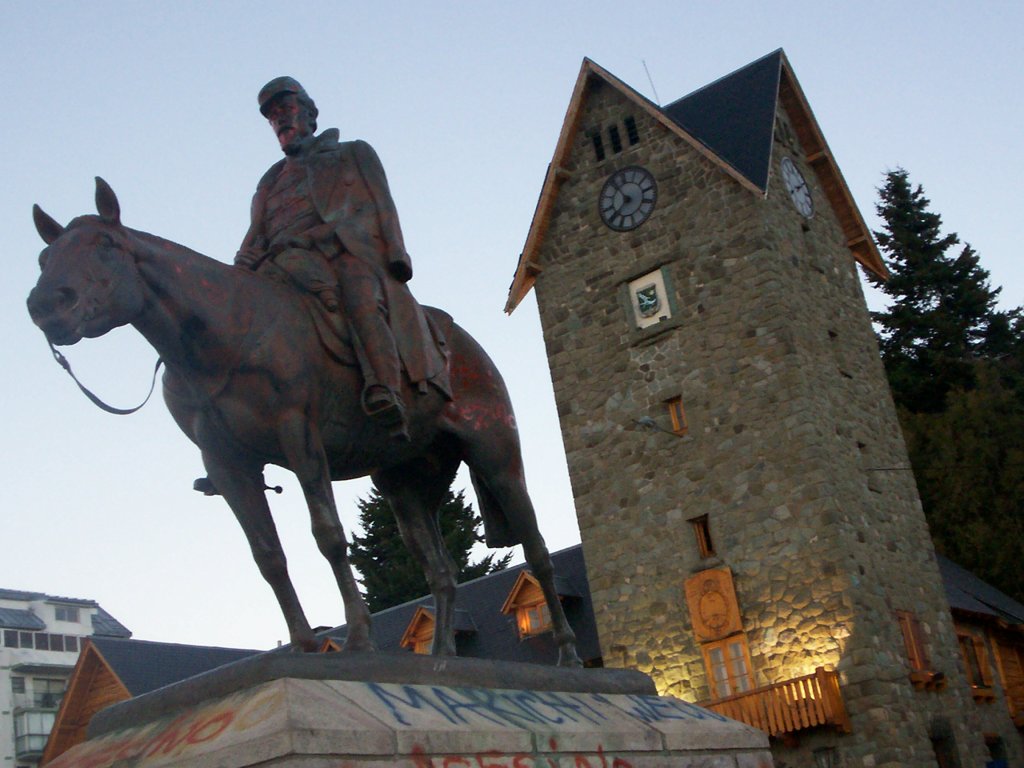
[444, 715]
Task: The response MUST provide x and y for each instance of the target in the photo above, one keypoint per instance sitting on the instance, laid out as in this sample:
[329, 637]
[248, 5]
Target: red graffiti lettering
[486, 759]
[198, 733]
[419, 757]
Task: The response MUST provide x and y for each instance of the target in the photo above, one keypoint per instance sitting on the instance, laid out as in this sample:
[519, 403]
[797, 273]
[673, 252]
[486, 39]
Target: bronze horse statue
[248, 380]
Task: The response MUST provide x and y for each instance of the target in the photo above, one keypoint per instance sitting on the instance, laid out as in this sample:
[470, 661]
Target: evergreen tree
[390, 575]
[954, 364]
[942, 310]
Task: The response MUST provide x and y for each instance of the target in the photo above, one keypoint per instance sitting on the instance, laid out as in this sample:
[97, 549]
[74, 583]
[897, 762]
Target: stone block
[316, 723]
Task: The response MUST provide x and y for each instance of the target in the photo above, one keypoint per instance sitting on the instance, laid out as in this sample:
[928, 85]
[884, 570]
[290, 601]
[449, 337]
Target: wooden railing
[804, 702]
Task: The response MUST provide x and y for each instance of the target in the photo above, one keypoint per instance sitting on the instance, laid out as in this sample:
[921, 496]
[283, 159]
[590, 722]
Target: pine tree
[942, 310]
[956, 369]
[390, 576]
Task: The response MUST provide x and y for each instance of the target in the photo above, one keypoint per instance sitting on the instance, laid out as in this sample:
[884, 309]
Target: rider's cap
[278, 86]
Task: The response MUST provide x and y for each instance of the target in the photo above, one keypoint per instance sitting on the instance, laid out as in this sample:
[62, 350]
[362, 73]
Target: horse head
[89, 284]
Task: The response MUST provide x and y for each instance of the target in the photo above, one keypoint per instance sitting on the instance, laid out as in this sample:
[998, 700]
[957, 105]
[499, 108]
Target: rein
[96, 401]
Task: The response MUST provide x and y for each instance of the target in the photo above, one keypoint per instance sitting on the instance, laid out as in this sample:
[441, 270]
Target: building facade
[40, 639]
[728, 425]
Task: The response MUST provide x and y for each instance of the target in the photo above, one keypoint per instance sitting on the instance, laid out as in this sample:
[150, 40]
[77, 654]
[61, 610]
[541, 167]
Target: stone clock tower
[728, 425]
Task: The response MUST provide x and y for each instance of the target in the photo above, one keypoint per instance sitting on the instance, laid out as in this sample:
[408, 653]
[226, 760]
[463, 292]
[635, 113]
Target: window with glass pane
[70, 643]
[10, 638]
[17, 684]
[66, 613]
[47, 692]
[728, 665]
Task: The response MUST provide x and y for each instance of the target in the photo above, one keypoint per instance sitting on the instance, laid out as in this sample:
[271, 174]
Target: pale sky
[463, 102]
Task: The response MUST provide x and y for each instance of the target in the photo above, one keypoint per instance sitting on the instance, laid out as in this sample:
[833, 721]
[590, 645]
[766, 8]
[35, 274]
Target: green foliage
[969, 465]
[942, 310]
[390, 575]
[954, 364]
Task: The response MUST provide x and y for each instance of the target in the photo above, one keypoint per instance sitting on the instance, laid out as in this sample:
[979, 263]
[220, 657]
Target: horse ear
[106, 202]
[47, 228]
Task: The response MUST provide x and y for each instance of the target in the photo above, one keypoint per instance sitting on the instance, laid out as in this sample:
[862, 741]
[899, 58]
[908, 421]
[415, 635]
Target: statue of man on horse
[323, 219]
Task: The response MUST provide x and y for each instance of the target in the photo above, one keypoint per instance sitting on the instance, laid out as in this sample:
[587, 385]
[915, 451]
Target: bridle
[63, 361]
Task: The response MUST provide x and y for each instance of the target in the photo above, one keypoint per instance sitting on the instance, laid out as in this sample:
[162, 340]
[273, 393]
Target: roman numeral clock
[627, 199]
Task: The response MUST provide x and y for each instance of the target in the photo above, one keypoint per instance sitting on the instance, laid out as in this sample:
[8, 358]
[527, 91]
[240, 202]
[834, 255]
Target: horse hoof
[305, 644]
[357, 646]
[569, 659]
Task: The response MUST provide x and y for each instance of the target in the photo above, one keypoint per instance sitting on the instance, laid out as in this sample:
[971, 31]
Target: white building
[40, 637]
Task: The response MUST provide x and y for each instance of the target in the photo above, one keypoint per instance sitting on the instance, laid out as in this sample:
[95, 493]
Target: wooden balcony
[785, 708]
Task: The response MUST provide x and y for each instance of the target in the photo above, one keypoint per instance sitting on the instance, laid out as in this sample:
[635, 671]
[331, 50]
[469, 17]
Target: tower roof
[731, 122]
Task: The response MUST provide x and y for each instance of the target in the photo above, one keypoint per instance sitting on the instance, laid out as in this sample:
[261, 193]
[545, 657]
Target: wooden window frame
[702, 532]
[533, 619]
[731, 680]
[976, 664]
[922, 675]
[677, 415]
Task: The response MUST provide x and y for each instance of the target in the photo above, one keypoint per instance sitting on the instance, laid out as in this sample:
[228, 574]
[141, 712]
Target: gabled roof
[493, 635]
[966, 592]
[143, 665]
[731, 122]
[735, 116]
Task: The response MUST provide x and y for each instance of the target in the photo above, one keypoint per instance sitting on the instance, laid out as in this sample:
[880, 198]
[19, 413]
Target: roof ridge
[718, 80]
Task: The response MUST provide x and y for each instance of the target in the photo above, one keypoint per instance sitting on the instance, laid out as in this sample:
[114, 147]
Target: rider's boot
[381, 399]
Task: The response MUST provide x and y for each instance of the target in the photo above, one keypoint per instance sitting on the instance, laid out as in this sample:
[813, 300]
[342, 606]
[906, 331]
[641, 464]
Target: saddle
[337, 339]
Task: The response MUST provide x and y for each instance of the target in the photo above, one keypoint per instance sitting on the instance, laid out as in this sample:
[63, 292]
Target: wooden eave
[414, 630]
[819, 156]
[525, 580]
[75, 711]
[529, 265]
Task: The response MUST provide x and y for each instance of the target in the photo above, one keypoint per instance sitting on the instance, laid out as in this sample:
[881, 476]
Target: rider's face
[290, 120]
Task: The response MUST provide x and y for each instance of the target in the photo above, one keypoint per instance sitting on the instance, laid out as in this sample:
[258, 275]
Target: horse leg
[415, 496]
[242, 488]
[496, 469]
[304, 449]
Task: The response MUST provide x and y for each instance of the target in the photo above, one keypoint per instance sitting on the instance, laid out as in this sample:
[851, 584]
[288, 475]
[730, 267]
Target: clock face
[797, 187]
[627, 198]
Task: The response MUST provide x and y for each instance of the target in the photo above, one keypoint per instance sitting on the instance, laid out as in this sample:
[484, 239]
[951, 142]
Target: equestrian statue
[310, 353]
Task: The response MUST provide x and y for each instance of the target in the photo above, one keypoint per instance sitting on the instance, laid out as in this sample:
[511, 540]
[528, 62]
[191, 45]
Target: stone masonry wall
[771, 350]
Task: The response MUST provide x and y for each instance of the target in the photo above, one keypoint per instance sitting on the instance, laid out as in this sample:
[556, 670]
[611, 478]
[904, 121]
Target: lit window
[728, 666]
[533, 619]
[526, 601]
[677, 415]
[419, 635]
[702, 532]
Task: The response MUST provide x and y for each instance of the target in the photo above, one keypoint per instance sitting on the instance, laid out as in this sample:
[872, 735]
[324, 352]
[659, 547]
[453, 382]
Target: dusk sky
[463, 102]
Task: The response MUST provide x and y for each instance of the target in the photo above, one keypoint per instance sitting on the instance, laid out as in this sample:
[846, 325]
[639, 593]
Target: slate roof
[144, 666]
[13, 618]
[735, 116]
[496, 636]
[16, 618]
[105, 625]
[966, 592]
[28, 597]
[732, 122]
